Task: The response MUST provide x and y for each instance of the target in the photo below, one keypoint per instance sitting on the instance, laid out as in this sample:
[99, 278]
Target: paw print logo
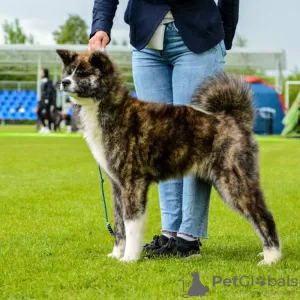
[261, 281]
[197, 288]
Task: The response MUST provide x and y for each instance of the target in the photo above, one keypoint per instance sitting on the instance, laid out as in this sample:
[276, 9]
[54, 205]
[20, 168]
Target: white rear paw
[129, 259]
[266, 262]
[263, 263]
[115, 255]
[271, 256]
[118, 250]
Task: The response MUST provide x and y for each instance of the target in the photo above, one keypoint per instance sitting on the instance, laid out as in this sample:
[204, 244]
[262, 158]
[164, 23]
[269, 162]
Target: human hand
[99, 41]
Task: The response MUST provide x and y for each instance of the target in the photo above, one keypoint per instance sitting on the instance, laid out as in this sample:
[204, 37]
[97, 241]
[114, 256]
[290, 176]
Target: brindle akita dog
[137, 143]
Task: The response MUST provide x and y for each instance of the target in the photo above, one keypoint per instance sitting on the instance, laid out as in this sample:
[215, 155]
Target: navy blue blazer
[202, 24]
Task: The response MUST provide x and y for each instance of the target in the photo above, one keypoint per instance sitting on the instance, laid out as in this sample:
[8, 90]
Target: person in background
[177, 45]
[47, 102]
[67, 114]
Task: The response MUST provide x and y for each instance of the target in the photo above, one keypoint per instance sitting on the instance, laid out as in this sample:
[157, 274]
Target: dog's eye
[70, 71]
[82, 73]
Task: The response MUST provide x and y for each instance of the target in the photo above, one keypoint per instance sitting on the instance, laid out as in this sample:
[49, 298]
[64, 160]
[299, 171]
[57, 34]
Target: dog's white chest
[95, 141]
[94, 137]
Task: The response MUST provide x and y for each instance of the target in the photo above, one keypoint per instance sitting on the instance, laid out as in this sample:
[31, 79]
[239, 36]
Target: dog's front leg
[119, 246]
[134, 201]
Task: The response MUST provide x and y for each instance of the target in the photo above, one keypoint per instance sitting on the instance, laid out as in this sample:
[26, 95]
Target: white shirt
[157, 40]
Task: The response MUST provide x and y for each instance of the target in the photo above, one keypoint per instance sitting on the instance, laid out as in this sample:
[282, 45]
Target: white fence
[17, 85]
[46, 57]
[287, 91]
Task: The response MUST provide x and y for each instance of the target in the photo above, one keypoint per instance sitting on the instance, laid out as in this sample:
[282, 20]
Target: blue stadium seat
[23, 116]
[5, 93]
[32, 116]
[9, 116]
[19, 116]
[17, 102]
[32, 94]
[2, 115]
[11, 100]
[5, 108]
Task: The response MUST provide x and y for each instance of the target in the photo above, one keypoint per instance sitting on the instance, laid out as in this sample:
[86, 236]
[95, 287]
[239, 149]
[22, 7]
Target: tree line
[73, 31]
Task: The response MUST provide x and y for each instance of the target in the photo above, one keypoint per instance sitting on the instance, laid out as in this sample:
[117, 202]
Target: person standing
[177, 45]
[46, 102]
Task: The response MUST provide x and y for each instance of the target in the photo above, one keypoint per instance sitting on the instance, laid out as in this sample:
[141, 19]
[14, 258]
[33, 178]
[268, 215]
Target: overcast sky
[267, 24]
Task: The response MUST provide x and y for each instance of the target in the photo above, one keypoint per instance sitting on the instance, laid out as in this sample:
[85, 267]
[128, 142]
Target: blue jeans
[172, 76]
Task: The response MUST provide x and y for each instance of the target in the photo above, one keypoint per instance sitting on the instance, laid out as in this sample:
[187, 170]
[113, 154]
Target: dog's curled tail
[228, 94]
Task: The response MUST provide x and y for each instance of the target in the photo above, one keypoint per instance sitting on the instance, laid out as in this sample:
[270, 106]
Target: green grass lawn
[54, 243]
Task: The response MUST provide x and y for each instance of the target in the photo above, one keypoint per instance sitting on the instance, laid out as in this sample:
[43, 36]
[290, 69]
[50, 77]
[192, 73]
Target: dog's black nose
[66, 82]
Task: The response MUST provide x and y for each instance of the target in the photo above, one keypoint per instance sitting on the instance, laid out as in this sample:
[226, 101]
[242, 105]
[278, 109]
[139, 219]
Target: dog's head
[86, 75]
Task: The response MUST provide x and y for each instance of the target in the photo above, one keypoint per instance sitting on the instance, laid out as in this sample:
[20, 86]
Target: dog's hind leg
[245, 196]
[119, 229]
[134, 201]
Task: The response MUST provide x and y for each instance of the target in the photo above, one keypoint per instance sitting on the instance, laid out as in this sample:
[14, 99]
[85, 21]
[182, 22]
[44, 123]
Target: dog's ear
[101, 61]
[67, 56]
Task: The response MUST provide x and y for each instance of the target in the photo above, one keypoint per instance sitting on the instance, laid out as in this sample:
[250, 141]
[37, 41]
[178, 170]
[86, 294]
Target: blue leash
[109, 228]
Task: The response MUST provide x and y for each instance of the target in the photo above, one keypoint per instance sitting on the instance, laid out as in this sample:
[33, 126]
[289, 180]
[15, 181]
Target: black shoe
[156, 243]
[178, 247]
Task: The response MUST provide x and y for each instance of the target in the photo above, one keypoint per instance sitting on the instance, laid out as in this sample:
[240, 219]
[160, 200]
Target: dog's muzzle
[65, 83]
[63, 86]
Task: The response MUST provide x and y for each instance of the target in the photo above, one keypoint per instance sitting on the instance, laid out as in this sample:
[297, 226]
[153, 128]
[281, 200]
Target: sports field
[54, 243]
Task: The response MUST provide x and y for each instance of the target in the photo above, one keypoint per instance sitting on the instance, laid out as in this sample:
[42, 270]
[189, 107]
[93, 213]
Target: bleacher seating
[18, 105]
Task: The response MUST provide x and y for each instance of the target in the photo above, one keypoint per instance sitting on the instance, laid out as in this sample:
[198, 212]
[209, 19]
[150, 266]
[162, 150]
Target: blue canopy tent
[270, 109]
